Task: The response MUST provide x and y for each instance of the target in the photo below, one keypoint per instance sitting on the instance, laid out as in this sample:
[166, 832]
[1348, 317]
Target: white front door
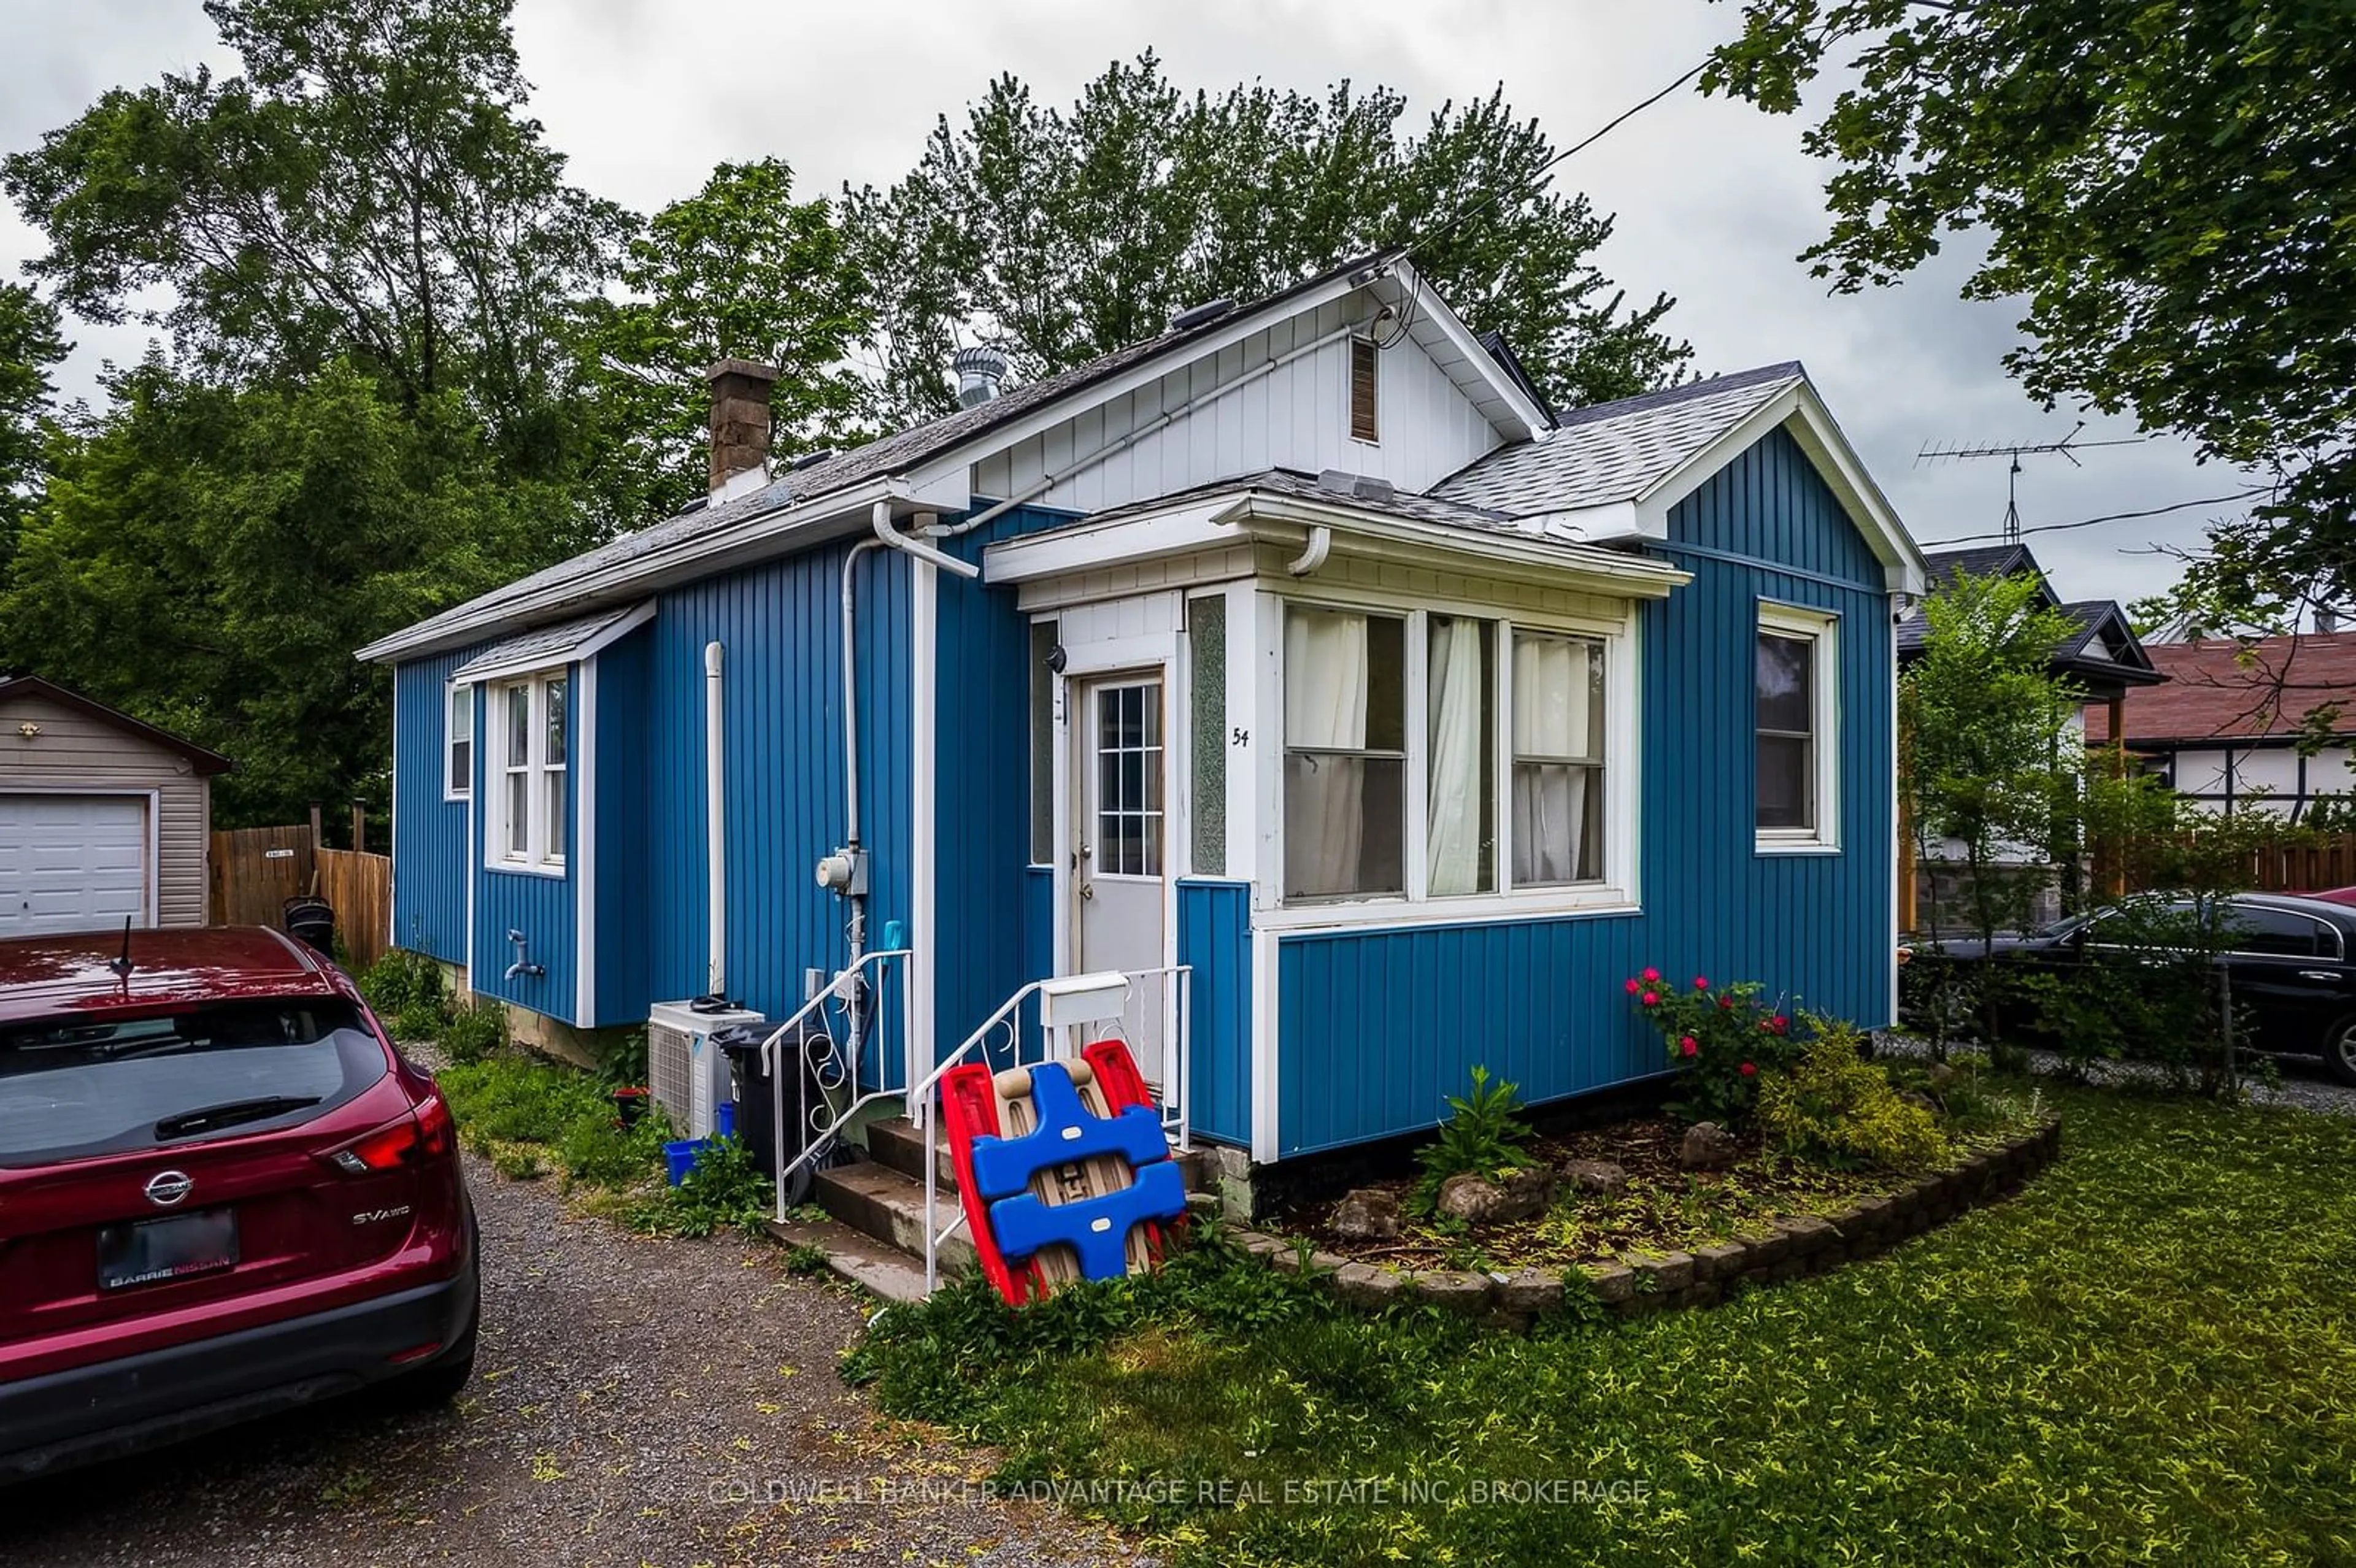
[1119, 836]
[72, 862]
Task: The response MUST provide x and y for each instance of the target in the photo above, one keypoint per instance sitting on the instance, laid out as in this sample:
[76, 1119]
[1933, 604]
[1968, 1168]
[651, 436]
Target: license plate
[151, 1251]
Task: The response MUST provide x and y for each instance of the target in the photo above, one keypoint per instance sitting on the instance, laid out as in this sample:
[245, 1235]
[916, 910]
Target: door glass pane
[2273, 932]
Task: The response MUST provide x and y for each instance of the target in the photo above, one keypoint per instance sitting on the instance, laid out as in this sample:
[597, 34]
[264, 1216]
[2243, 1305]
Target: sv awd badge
[375, 1215]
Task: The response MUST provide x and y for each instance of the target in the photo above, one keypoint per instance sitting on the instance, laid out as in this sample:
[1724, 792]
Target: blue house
[1299, 664]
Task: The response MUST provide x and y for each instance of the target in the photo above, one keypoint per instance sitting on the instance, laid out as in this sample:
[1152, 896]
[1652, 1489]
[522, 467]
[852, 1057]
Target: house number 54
[1243, 737]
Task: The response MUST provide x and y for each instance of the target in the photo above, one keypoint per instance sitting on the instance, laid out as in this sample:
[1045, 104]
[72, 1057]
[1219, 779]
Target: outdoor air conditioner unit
[687, 1074]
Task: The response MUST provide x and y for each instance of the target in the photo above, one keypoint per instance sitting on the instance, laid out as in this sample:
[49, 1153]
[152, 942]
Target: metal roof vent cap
[979, 372]
[1200, 316]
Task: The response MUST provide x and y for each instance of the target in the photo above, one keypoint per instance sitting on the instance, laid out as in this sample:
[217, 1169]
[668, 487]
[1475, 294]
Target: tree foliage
[742, 270]
[368, 189]
[1989, 757]
[208, 558]
[2167, 186]
[30, 343]
[1063, 234]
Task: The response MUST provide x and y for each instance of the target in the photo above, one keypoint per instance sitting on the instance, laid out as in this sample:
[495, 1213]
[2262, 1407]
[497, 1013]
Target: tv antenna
[2068, 446]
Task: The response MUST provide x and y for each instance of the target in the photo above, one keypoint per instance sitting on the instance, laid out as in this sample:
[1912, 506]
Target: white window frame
[1613, 893]
[1821, 627]
[543, 851]
[452, 786]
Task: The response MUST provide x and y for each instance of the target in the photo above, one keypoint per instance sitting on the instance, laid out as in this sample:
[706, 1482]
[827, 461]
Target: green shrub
[1838, 1108]
[404, 989]
[474, 1031]
[1722, 1042]
[1482, 1137]
[509, 1099]
[725, 1189]
[622, 1063]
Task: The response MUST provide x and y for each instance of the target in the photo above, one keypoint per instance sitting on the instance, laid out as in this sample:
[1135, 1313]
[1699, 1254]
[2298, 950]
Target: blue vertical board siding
[1377, 1027]
[429, 833]
[540, 906]
[982, 801]
[780, 623]
[625, 861]
[1215, 938]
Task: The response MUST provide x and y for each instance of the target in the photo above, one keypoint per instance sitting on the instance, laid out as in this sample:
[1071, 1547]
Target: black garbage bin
[802, 1056]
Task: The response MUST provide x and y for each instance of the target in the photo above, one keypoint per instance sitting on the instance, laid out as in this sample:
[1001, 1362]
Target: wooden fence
[256, 869]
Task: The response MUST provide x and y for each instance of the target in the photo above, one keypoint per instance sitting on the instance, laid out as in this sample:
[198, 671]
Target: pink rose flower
[1701, 982]
[1634, 987]
[1651, 974]
[1749, 1070]
[1652, 998]
[1690, 1046]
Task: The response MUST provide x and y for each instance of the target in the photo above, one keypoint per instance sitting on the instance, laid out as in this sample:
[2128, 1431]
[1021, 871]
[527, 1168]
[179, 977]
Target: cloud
[1714, 200]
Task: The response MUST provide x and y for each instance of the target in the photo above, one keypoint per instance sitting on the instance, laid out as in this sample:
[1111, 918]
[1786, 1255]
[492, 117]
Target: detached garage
[103, 818]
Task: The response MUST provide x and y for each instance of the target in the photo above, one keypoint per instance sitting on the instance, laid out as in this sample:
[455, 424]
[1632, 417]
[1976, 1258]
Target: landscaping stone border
[1803, 1245]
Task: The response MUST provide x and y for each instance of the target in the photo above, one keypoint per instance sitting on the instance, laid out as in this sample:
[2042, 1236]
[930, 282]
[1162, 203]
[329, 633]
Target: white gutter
[1320, 545]
[1625, 576]
[715, 824]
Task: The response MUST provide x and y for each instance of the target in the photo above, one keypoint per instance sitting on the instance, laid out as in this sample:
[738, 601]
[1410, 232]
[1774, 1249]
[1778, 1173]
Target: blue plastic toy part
[1096, 1228]
[1066, 1132]
[679, 1157]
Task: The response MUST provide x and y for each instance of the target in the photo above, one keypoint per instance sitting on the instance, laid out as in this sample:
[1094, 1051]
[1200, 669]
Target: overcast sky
[1714, 200]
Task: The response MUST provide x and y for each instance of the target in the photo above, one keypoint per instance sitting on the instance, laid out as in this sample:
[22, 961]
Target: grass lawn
[2146, 1357]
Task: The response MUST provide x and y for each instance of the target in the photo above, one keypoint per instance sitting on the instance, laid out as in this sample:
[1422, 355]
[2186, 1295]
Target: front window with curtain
[1435, 756]
[1558, 760]
[1345, 754]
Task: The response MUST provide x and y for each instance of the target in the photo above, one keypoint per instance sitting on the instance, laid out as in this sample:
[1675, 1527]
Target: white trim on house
[492, 668]
[1822, 629]
[1266, 1076]
[580, 790]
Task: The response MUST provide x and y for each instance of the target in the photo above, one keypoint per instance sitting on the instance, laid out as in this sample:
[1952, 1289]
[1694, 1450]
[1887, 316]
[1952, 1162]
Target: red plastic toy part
[969, 1109]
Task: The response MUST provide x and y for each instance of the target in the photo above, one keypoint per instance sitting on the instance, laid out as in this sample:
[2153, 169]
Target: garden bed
[1781, 1238]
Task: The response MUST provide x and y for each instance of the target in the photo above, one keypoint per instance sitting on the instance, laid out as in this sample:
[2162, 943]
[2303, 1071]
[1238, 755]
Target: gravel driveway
[635, 1403]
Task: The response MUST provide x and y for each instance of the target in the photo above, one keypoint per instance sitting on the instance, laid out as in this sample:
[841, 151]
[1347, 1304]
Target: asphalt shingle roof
[877, 459]
[2211, 693]
[1616, 451]
[553, 644]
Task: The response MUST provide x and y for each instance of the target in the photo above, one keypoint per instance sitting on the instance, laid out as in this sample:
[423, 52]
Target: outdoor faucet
[522, 964]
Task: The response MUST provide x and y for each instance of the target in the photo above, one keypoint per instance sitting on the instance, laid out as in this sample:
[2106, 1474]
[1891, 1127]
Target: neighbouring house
[102, 818]
[1301, 646]
[2226, 728]
[2101, 656]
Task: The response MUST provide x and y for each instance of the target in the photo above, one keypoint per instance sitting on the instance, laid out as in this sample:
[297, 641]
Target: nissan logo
[168, 1188]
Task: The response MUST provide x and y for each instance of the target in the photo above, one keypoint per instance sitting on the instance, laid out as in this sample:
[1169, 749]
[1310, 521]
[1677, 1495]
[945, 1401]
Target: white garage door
[72, 862]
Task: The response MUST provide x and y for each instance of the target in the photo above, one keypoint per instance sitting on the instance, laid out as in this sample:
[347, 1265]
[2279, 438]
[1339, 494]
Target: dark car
[222, 1193]
[2292, 961]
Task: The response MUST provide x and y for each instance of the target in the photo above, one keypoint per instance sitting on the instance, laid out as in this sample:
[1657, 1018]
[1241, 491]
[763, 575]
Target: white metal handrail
[840, 987]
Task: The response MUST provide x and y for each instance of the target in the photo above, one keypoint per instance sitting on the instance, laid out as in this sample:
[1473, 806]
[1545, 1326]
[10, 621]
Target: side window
[458, 745]
[2278, 933]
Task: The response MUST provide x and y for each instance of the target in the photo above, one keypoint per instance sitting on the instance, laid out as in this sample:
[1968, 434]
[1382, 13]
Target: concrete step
[888, 1206]
[861, 1259]
[896, 1143]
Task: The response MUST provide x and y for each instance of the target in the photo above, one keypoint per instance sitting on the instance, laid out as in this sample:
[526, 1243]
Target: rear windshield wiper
[229, 1114]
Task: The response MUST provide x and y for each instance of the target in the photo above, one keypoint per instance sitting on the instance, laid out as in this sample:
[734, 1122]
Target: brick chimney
[740, 424]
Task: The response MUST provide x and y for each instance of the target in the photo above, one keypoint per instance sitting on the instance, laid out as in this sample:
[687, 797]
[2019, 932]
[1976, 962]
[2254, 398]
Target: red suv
[222, 1193]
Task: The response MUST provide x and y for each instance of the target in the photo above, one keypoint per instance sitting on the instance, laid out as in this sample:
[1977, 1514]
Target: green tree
[368, 189]
[30, 343]
[1063, 234]
[2167, 186]
[1988, 758]
[207, 559]
[739, 271]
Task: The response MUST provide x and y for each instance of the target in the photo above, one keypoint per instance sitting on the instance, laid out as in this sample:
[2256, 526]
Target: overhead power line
[1501, 192]
[2008, 536]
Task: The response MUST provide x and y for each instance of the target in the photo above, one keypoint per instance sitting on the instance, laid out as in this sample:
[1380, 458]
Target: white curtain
[1551, 718]
[1324, 706]
[1453, 836]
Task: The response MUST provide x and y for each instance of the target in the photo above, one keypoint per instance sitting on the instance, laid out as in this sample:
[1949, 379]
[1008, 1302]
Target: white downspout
[1320, 545]
[715, 824]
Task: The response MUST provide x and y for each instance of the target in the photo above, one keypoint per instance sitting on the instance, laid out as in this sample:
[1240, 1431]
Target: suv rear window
[74, 1087]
